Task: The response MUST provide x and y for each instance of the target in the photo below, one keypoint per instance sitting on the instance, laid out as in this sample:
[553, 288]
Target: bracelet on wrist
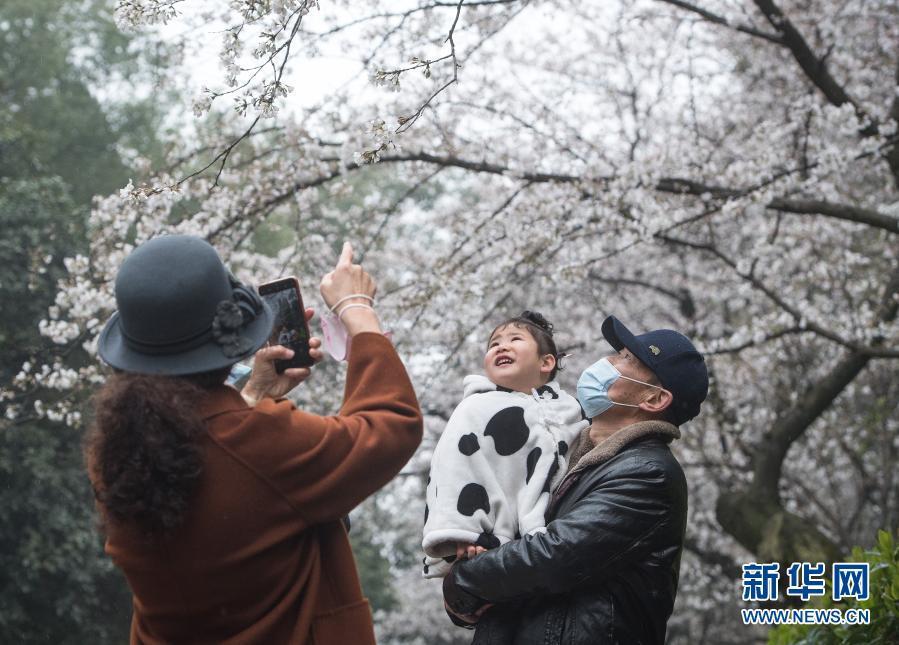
[354, 305]
[352, 295]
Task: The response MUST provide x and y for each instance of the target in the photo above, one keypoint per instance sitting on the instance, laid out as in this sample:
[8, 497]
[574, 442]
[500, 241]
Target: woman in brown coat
[223, 508]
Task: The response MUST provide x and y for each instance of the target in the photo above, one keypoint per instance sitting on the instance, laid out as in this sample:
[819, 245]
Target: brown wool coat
[263, 556]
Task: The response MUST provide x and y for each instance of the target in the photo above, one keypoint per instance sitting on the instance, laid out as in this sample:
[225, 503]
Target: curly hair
[542, 332]
[142, 451]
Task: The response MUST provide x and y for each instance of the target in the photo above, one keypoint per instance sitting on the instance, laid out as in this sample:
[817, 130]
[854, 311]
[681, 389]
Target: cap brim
[620, 337]
[206, 358]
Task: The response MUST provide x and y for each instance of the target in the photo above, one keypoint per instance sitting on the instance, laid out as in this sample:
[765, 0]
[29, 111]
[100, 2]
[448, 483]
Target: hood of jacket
[477, 383]
[562, 408]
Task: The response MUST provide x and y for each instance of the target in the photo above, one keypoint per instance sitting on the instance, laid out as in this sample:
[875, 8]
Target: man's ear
[658, 402]
[548, 364]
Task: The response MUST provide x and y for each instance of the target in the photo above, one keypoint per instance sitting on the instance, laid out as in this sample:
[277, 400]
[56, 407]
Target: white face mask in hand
[335, 338]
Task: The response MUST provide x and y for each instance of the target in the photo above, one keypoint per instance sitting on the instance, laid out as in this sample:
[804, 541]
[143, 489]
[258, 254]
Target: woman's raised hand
[265, 380]
[347, 280]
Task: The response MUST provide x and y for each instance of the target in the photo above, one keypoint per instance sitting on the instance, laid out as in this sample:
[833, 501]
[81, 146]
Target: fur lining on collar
[587, 454]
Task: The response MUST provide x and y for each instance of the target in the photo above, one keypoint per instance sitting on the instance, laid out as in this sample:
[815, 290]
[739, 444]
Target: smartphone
[290, 328]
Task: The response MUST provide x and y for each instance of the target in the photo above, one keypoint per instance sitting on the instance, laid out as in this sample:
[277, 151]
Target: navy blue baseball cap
[672, 358]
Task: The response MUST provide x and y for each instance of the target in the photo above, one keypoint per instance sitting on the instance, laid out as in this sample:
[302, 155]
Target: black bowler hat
[180, 311]
[672, 358]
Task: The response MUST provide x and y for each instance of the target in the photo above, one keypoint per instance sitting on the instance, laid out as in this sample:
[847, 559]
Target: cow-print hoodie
[494, 467]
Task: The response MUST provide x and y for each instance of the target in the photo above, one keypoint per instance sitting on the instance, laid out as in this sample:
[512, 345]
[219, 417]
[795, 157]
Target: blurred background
[726, 168]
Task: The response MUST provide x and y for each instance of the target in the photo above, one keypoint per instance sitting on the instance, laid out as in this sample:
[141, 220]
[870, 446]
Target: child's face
[513, 360]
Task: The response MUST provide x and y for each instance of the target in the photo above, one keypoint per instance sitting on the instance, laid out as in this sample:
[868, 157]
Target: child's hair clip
[559, 359]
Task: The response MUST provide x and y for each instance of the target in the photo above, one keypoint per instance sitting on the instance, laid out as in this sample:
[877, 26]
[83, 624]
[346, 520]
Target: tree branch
[815, 68]
[848, 212]
[839, 211]
[682, 296]
[681, 186]
[392, 210]
[869, 351]
[892, 155]
[754, 343]
[407, 122]
[755, 515]
[722, 561]
[773, 447]
[720, 20]
[480, 166]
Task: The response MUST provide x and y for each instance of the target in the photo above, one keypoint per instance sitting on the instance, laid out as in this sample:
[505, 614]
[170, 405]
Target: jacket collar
[223, 398]
[587, 454]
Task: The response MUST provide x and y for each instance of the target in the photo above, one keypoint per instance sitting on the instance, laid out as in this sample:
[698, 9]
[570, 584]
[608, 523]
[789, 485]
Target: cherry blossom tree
[726, 168]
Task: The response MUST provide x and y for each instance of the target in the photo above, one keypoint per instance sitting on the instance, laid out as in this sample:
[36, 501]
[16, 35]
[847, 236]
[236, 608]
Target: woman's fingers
[310, 312]
[346, 256]
[346, 280]
[274, 352]
[297, 373]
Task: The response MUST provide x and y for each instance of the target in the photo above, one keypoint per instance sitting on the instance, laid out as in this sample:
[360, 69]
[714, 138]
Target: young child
[503, 450]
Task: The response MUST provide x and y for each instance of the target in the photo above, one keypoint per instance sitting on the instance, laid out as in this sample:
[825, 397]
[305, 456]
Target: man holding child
[606, 568]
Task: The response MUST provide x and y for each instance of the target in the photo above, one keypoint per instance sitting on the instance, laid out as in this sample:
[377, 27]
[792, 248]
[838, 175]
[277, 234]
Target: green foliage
[280, 229]
[38, 219]
[883, 603]
[57, 586]
[52, 124]
[59, 146]
[373, 567]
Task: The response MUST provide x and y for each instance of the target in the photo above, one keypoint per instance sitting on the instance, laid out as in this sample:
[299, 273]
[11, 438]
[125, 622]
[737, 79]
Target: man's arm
[606, 530]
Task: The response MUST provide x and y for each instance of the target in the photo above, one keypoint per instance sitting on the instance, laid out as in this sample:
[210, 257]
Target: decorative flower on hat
[226, 328]
[232, 315]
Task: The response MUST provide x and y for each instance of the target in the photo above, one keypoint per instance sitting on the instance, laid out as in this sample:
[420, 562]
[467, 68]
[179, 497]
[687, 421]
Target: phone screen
[290, 328]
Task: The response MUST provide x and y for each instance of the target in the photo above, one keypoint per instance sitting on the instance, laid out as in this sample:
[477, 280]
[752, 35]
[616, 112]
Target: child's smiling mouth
[503, 360]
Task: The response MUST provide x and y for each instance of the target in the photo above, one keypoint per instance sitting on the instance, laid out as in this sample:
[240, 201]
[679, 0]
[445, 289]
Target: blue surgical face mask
[594, 384]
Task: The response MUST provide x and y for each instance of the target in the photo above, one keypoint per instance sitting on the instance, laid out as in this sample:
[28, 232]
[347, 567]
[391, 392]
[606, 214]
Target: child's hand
[466, 551]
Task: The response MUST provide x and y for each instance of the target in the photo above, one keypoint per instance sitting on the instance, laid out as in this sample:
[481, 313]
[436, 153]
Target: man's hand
[465, 606]
[265, 380]
[471, 619]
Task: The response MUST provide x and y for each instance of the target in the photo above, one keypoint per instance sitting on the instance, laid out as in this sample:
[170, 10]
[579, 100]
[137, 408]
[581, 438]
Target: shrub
[883, 603]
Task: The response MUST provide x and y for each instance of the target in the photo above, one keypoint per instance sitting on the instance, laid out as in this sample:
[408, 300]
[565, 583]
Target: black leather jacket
[606, 569]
